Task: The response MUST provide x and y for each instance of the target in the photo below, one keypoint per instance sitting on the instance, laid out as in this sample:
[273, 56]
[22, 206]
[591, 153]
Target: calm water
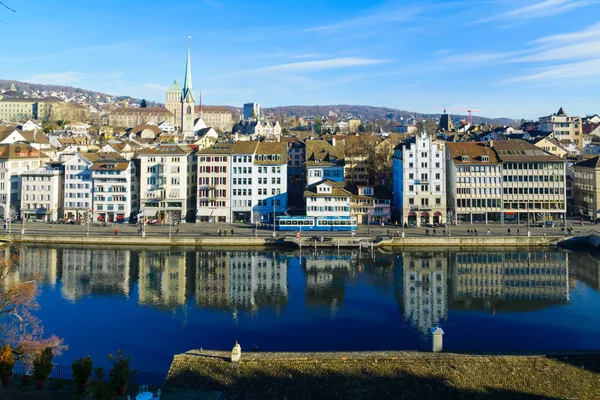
[156, 303]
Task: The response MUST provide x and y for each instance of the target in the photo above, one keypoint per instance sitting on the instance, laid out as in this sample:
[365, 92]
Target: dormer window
[485, 158]
[465, 159]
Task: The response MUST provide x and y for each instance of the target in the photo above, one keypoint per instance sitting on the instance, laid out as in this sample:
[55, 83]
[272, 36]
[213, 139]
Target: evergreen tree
[143, 104]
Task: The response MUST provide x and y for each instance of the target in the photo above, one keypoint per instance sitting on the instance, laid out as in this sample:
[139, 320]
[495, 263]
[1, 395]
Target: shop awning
[437, 214]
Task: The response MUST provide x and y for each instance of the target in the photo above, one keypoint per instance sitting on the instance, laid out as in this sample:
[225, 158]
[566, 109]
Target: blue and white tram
[316, 223]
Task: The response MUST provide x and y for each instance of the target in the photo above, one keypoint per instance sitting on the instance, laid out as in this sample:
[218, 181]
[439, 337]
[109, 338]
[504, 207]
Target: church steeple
[187, 83]
[188, 111]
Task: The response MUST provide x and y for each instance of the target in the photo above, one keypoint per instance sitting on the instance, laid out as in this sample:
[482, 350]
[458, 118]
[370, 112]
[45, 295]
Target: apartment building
[271, 174]
[474, 182]
[219, 118]
[324, 160]
[533, 182]
[42, 193]
[15, 159]
[242, 177]
[327, 199]
[252, 111]
[168, 182]
[371, 205]
[114, 187]
[78, 186]
[420, 180]
[562, 126]
[214, 184]
[586, 188]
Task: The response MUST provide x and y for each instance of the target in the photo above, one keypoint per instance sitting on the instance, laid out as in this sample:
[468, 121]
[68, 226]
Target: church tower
[187, 100]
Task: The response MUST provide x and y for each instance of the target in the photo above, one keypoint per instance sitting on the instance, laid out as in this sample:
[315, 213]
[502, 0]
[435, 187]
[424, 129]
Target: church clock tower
[187, 100]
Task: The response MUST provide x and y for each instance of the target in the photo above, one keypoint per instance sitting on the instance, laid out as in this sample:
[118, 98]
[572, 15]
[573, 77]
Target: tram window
[336, 222]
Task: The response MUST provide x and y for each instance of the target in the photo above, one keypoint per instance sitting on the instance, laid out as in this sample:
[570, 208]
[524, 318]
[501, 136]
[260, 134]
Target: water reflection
[424, 284]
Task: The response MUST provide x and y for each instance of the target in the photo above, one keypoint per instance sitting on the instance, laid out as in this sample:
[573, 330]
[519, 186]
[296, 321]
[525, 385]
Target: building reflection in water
[162, 278]
[101, 271]
[241, 280]
[325, 276]
[425, 284]
[522, 281]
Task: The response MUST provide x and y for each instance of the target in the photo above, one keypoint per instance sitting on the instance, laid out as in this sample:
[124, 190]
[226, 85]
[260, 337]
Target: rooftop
[474, 151]
[520, 150]
[384, 375]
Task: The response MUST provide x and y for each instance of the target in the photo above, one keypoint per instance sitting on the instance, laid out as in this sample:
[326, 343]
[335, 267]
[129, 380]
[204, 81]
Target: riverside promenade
[389, 375]
[246, 235]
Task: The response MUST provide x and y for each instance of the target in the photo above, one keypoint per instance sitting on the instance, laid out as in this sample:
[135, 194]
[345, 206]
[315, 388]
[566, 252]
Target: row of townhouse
[242, 181]
[437, 182]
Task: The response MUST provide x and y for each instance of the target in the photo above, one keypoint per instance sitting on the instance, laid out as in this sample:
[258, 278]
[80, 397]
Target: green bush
[121, 371]
[42, 364]
[82, 369]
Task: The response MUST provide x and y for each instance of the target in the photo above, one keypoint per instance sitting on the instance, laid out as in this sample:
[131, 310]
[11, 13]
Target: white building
[14, 160]
[562, 126]
[42, 193]
[115, 194]
[420, 181]
[270, 173]
[327, 199]
[78, 186]
[242, 181]
[324, 161]
[168, 182]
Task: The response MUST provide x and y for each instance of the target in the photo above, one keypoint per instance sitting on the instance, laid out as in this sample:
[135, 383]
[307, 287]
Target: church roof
[561, 112]
[187, 83]
[175, 85]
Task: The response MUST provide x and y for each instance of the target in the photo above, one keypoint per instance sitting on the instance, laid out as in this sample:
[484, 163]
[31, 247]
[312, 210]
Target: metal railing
[156, 379]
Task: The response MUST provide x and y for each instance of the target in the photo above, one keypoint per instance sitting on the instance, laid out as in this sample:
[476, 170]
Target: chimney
[333, 142]
[492, 143]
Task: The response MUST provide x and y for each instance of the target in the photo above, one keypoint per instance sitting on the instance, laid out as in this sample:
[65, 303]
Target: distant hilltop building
[16, 106]
[251, 110]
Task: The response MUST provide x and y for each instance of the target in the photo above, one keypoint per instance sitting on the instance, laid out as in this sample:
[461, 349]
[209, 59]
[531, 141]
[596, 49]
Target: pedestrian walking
[177, 230]
[388, 232]
[444, 231]
[232, 232]
[469, 232]
[427, 231]
[224, 232]
[488, 232]
[219, 232]
[476, 233]
[368, 231]
[397, 232]
[518, 230]
[508, 230]
[434, 232]
[116, 231]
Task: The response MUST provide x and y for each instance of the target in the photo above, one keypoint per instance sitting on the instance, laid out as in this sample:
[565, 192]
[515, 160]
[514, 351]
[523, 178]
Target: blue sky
[514, 58]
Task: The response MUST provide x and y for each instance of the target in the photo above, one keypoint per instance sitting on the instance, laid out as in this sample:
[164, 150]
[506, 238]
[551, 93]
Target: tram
[316, 223]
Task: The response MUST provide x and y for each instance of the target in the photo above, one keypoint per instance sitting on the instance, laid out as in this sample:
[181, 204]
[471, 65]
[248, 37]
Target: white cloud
[71, 77]
[578, 70]
[61, 78]
[156, 87]
[541, 9]
[377, 17]
[321, 65]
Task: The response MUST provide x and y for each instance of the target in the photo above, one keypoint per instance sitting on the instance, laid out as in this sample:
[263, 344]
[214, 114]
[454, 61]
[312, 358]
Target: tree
[428, 126]
[318, 125]
[19, 327]
[143, 104]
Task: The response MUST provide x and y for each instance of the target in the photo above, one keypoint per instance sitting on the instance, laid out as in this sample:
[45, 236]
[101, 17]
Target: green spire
[187, 83]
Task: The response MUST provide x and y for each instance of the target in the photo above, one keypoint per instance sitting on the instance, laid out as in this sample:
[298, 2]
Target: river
[154, 303]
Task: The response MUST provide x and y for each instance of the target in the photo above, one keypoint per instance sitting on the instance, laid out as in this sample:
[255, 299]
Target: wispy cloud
[540, 9]
[386, 15]
[34, 56]
[321, 65]
[578, 70]
[70, 77]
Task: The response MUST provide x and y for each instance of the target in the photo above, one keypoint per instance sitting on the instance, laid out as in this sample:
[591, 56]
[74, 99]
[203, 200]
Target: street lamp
[22, 222]
[402, 221]
[449, 217]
